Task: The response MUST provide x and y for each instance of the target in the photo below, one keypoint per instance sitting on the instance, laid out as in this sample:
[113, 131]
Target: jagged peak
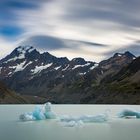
[64, 58]
[25, 48]
[78, 59]
[127, 53]
[117, 54]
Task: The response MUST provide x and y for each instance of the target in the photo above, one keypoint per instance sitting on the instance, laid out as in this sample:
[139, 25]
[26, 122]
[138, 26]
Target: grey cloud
[42, 42]
[54, 43]
[123, 12]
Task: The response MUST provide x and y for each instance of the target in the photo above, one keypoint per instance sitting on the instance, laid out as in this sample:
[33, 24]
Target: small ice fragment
[67, 118]
[74, 124]
[48, 112]
[70, 124]
[129, 113]
[27, 117]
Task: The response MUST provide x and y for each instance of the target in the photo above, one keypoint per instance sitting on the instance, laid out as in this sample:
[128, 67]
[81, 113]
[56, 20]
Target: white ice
[85, 118]
[72, 121]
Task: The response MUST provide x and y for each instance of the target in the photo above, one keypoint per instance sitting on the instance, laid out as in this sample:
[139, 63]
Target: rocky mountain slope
[60, 80]
[120, 88]
[9, 96]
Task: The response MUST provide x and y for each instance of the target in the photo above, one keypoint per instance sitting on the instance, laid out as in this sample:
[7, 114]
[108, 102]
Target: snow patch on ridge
[92, 67]
[22, 50]
[21, 56]
[56, 68]
[28, 64]
[66, 67]
[38, 69]
[20, 67]
[82, 73]
[77, 66]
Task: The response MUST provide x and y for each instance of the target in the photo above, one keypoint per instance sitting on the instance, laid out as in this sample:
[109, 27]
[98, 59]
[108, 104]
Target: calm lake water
[116, 129]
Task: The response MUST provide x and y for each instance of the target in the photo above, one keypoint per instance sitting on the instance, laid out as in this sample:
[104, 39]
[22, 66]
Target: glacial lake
[115, 129]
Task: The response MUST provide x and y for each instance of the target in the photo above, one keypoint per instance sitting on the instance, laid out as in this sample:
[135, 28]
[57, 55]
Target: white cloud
[97, 21]
[5, 47]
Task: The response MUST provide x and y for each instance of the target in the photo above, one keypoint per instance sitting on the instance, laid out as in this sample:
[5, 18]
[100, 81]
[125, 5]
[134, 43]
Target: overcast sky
[93, 29]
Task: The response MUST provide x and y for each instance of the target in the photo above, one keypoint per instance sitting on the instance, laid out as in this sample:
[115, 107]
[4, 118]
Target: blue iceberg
[40, 113]
[129, 113]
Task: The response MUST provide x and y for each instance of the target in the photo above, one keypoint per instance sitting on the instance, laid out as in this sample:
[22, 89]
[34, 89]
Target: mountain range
[40, 77]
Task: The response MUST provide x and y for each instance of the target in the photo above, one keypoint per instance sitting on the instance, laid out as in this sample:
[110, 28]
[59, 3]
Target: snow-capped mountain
[26, 63]
[29, 72]
[27, 60]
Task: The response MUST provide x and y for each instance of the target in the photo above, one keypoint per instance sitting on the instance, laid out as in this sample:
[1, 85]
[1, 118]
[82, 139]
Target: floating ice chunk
[71, 121]
[129, 113]
[39, 113]
[48, 112]
[96, 119]
[67, 118]
[27, 117]
[48, 107]
[70, 124]
[85, 118]
[74, 124]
